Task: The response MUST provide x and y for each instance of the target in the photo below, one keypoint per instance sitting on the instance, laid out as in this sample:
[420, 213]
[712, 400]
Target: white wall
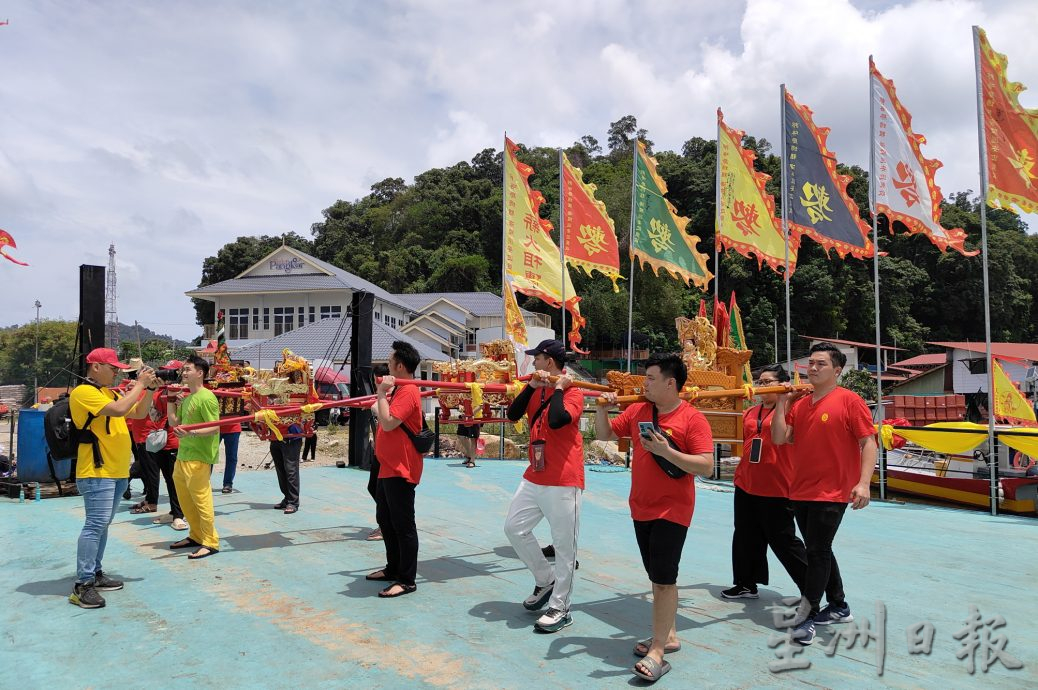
[965, 382]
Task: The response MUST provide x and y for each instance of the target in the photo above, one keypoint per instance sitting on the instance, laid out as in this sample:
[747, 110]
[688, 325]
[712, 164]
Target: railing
[617, 353]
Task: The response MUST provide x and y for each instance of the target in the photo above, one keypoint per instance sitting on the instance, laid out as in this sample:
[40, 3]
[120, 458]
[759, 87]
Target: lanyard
[760, 421]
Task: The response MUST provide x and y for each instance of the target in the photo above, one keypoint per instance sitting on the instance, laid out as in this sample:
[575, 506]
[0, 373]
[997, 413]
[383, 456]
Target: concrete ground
[285, 603]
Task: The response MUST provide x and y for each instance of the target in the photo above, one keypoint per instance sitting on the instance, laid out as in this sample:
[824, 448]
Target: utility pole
[111, 317]
[36, 358]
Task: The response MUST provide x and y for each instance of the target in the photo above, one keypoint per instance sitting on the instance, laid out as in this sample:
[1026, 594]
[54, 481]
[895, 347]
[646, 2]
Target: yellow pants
[196, 500]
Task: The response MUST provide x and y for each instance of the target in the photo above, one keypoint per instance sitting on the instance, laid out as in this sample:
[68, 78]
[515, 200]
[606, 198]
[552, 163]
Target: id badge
[537, 455]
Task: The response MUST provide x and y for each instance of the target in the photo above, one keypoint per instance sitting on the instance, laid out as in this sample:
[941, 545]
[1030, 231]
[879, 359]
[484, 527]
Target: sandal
[226, 490]
[376, 535]
[185, 543]
[143, 508]
[196, 556]
[470, 463]
[653, 670]
[379, 576]
[404, 589]
[642, 648]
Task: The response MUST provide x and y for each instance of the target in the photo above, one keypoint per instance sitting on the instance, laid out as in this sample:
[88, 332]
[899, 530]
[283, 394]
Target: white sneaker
[553, 620]
[163, 519]
[180, 524]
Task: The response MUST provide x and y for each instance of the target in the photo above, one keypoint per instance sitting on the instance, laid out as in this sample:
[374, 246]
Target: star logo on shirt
[825, 416]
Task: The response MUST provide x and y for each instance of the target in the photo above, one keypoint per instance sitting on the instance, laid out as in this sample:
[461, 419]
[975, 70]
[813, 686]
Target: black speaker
[91, 311]
[362, 381]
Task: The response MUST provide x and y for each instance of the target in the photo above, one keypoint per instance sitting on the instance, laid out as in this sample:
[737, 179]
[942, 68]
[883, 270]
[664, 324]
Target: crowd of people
[806, 457]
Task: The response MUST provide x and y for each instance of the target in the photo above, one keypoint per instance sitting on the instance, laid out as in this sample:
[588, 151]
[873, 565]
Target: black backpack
[64, 437]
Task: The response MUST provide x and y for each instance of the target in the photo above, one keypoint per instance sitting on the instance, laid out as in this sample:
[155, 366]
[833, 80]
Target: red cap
[173, 365]
[105, 355]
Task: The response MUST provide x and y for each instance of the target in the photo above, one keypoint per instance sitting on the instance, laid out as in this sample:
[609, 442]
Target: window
[331, 312]
[386, 319]
[283, 319]
[237, 324]
[312, 309]
[977, 365]
[302, 316]
[470, 338]
[349, 311]
[266, 318]
[255, 318]
[392, 322]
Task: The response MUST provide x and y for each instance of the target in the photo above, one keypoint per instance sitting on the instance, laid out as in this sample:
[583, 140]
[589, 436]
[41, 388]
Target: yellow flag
[515, 325]
[746, 219]
[1010, 403]
[532, 261]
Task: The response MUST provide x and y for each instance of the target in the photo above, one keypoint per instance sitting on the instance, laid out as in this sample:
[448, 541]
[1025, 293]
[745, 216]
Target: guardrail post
[717, 462]
[436, 429]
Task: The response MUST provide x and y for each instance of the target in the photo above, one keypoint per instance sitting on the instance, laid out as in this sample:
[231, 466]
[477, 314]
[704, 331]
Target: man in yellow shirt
[102, 468]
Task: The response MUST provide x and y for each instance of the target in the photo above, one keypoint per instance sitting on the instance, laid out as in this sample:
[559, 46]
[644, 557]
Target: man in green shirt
[199, 451]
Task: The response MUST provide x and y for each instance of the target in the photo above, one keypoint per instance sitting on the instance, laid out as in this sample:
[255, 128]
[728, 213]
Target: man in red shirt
[661, 505]
[552, 485]
[834, 453]
[400, 470]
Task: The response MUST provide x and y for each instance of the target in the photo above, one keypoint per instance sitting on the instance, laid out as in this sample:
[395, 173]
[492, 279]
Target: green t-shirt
[197, 408]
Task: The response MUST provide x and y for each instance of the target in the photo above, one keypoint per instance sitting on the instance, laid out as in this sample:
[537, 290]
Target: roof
[325, 339]
[334, 278]
[867, 346]
[477, 303]
[1028, 351]
[930, 360]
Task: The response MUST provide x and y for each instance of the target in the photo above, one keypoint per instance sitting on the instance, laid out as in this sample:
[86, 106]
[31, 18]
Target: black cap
[553, 348]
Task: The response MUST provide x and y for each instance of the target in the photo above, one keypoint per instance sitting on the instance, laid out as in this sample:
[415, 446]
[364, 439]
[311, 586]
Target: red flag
[590, 237]
[722, 322]
[702, 308]
[5, 240]
[1010, 134]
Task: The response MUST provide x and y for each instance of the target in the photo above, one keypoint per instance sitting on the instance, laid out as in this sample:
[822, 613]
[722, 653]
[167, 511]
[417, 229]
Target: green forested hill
[443, 233]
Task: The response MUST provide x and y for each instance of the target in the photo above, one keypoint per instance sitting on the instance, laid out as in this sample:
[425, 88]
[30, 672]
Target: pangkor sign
[286, 265]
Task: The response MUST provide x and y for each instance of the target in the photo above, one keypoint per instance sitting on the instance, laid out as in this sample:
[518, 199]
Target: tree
[861, 382]
[57, 341]
[154, 352]
[620, 134]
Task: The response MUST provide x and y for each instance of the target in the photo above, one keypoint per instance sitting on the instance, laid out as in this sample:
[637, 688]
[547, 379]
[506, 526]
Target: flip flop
[226, 490]
[186, 543]
[376, 535]
[139, 509]
[405, 589]
[375, 577]
[648, 643]
[195, 557]
[655, 670]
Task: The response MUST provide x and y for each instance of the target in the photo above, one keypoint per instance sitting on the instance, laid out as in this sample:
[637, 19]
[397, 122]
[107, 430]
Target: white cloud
[173, 128]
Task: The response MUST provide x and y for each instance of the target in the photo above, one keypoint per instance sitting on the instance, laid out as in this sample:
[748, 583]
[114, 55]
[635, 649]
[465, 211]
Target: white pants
[561, 506]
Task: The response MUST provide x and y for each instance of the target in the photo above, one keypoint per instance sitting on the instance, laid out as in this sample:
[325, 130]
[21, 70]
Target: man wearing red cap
[102, 464]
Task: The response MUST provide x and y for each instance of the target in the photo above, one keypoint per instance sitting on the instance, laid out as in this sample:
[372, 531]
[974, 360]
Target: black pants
[818, 522]
[760, 522]
[286, 463]
[373, 470]
[165, 461]
[310, 446]
[149, 473]
[394, 511]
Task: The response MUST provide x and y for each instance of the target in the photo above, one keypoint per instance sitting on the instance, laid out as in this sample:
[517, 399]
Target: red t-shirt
[654, 495]
[160, 407]
[772, 475]
[139, 428]
[396, 455]
[230, 428]
[563, 448]
[826, 454]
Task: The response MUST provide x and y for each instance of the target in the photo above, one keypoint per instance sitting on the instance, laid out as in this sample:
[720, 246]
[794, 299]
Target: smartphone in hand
[646, 429]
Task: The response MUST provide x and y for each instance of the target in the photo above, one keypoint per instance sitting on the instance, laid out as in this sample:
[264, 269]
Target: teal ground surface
[285, 603]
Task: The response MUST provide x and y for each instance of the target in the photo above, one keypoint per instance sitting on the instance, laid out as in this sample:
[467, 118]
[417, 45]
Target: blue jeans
[230, 442]
[100, 499]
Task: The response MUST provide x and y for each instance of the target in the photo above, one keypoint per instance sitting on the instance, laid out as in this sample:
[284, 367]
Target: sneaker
[834, 613]
[553, 620]
[106, 584]
[163, 519]
[804, 634]
[179, 524]
[740, 592]
[85, 596]
[539, 598]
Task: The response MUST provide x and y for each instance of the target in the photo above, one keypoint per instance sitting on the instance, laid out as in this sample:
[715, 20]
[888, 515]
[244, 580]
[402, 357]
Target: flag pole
[717, 217]
[630, 250]
[882, 455]
[504, 239]
[562, 242]
[785, 231]
[982, 138]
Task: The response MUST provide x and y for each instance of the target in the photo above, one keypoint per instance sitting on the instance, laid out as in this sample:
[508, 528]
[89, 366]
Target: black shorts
[469, 430]
[660, 542]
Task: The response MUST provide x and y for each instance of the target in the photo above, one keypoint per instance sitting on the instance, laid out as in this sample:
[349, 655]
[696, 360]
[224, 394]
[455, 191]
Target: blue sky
[170, 129]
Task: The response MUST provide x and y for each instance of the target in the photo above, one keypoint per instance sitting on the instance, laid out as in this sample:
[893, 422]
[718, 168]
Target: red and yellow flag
[532, 261]
[1010, 403]
[515, 324]
[7, 241]
[904, 185]
[590, 238]
[746, 219]
[1010, 133]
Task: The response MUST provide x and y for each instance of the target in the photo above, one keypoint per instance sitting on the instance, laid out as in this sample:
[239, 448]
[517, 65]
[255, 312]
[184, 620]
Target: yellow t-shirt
[112, 434]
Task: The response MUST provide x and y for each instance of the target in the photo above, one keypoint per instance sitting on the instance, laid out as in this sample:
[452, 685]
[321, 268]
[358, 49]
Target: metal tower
[111, 317]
